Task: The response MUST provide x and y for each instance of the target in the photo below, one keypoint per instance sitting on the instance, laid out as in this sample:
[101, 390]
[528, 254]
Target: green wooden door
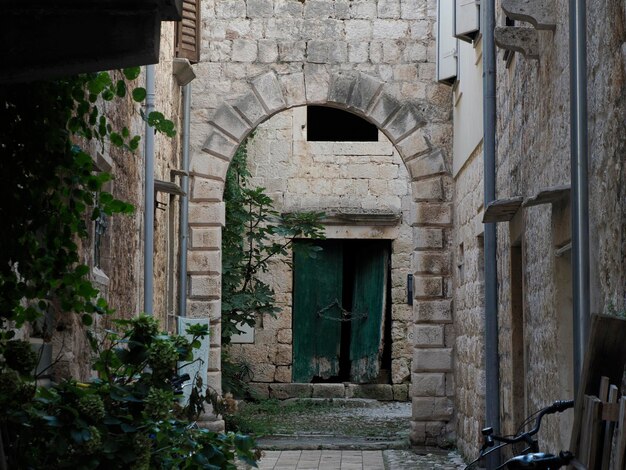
[368, 308]
[317, 294]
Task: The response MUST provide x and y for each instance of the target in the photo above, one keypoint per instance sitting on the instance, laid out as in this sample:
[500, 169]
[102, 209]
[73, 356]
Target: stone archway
[432, 384]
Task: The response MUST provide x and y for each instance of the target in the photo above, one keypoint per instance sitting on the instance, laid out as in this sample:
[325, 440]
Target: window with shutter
[447, 44]
[467, 19]
[188, 32]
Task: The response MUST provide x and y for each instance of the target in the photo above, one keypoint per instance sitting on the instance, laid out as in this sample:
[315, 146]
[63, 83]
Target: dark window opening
[326, 124]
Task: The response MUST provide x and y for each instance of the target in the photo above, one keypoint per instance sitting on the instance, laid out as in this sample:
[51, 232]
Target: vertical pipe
[492, 366]
[579, 181]
[148, 247]
[184, 206]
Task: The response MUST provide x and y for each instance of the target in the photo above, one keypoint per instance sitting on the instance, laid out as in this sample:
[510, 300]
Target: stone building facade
[118, 273]
[533, 245]
[374, 59]
[364, 189]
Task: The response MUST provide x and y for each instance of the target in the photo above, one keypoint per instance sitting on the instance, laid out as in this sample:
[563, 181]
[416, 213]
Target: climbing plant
[254, 234]
[127, 417]
[48, 182]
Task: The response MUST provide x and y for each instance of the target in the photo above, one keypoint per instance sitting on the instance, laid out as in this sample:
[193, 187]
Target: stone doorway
[342, 313]
[409, 127]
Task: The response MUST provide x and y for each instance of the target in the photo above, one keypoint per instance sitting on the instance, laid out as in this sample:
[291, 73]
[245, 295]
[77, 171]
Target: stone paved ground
[424, 459]
[359, 435]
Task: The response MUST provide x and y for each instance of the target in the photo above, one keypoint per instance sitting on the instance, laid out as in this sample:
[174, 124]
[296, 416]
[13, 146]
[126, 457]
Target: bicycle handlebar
[489, 441]
[556, 407]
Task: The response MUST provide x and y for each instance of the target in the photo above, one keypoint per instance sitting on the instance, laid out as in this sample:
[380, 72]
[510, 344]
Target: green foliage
[255, 232]
[128, 418]
[49, 187]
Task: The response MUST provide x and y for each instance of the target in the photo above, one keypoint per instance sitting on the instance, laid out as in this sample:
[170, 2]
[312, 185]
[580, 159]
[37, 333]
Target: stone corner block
[427, 286]
[206, 189]
[435, 311]
[428, 336]
[433, 213]
[207, 213]
[428, 384]
[203, 286]
[432, 408]
[430, 433]
[268, 90]
[435, 360]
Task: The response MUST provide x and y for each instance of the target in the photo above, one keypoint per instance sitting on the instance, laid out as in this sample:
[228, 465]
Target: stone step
[284, 391]
[329, 442]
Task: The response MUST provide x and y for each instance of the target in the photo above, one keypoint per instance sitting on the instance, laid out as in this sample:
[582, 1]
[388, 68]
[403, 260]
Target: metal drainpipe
[184, 206]
[579, 181]
[148, 247]
[492, 365]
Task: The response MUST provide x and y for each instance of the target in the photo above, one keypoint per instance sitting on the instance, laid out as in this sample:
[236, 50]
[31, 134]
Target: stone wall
[467, 246]
[260, 58]
[533, 154]
[358, 177]
[121, 278]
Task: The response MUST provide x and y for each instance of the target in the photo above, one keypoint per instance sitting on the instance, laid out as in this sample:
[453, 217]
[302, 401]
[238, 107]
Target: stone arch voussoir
[403, 123]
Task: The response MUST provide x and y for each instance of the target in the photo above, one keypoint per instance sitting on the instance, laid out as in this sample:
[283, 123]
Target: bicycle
[529, 458]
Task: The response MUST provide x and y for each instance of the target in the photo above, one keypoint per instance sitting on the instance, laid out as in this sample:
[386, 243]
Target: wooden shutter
[188, 36]
[446, 64]
[317, 294]
[368, 312]
[467, 19]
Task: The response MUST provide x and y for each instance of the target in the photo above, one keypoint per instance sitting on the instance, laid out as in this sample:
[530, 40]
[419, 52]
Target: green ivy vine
[48, 183]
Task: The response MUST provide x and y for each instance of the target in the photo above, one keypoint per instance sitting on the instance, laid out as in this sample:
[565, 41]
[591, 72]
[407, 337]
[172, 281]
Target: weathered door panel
[317, 294]
[368, 305]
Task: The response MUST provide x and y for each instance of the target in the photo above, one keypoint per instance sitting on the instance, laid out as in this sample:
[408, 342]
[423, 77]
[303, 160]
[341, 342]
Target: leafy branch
[255, 233]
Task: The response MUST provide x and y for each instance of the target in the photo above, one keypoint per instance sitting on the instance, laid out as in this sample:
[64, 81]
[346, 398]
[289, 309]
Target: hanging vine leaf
[139, 94]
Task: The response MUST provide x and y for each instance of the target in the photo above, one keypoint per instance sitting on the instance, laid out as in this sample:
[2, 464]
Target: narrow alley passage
[340, 434]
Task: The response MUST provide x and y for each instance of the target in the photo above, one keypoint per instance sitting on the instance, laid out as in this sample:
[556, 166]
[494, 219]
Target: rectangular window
[325, 124]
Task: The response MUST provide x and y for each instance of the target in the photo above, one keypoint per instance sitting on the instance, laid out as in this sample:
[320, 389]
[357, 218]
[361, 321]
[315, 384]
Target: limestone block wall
[329, 176]
[373, 58]
[121, 278]
[467, 247]
[533, 154]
